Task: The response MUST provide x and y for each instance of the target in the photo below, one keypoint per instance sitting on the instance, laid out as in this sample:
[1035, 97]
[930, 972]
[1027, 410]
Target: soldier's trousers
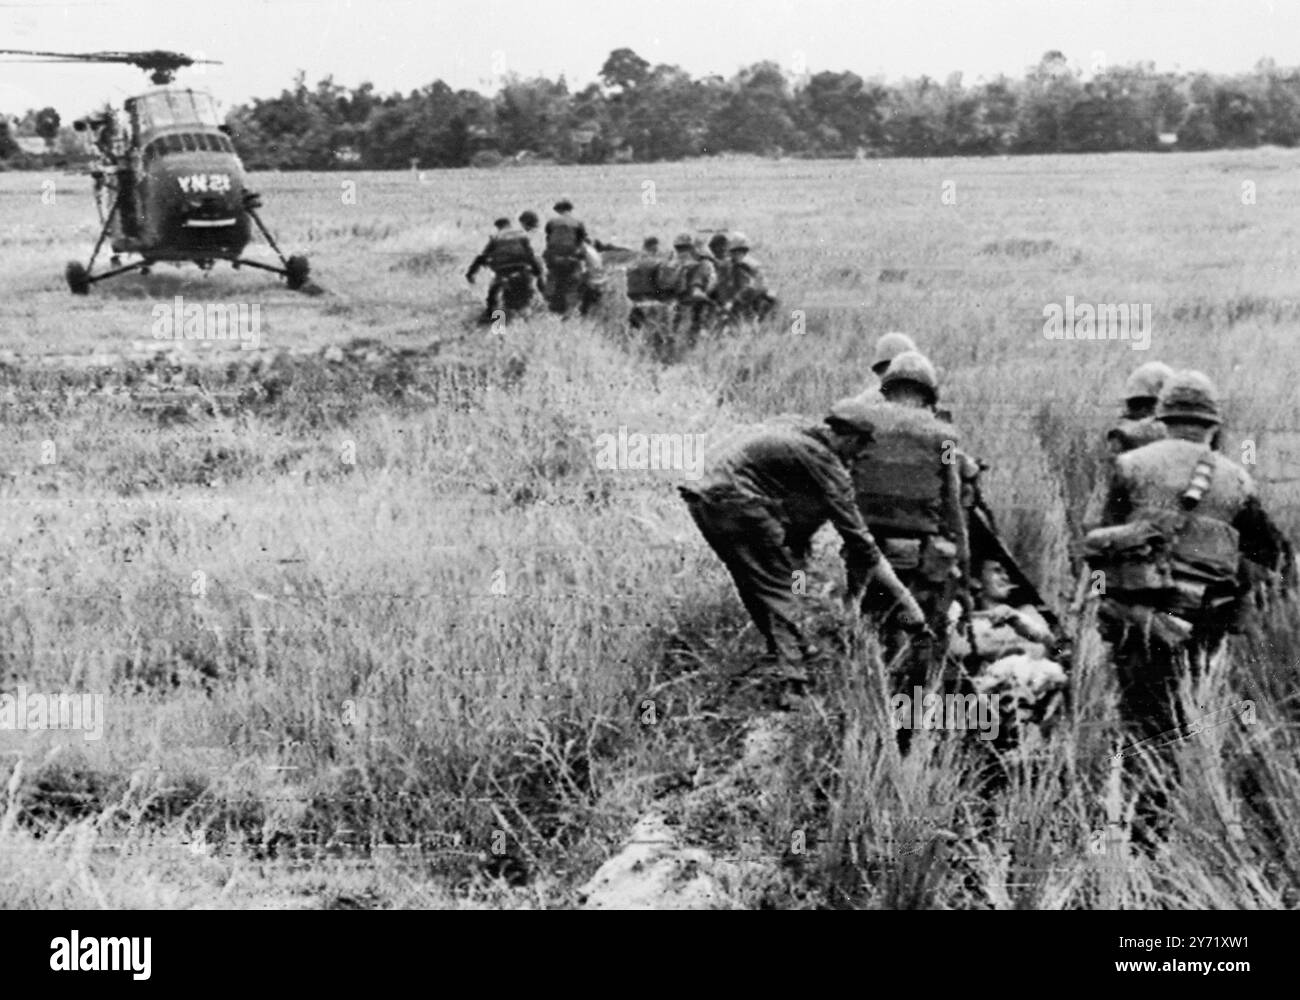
[589, 298]
[493, 302]
[753, 304]
[562, 279]
[510, 291]
[694, 314]
[1151, 655]
[751, 544]
[925, 654]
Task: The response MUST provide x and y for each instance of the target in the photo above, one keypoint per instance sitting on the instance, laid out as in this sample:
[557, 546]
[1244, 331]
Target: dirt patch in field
[665, 863]
[1026, 249]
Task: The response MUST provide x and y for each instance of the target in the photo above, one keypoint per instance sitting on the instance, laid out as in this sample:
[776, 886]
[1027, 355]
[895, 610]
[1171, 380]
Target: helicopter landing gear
[115, 261]
[296, 270]
[78, 278]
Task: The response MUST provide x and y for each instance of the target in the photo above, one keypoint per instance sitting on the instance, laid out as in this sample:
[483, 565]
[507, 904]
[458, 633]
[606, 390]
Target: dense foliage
[640, 112]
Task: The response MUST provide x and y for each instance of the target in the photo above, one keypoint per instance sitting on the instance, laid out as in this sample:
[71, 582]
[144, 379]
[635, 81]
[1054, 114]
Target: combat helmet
[718, 244]
[888, 347]
[738, 241]
[684, 240]
[913, 367]
[1147, 380]
[1189, 395]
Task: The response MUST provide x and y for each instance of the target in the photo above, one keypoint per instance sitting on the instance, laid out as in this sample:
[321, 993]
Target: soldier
[510, 257]
[1015, 649]
[1177, 522]
[1138, 424]
[910, 380]
[744, 293]
[643, 286]
[530, 223]
[888, 347]
[718, 254]
[1002, 628]
[763, 496]
[910, 493]
[696, 280]
[920, 495]
[565, 238]
[591, 285]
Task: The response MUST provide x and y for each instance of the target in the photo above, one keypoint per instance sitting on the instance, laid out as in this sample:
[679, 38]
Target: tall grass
[374, 629]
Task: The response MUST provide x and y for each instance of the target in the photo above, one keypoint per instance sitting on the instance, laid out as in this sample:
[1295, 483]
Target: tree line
[638, 112]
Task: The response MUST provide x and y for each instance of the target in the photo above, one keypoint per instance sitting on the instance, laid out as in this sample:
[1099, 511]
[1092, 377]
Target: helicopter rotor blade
[157, 59]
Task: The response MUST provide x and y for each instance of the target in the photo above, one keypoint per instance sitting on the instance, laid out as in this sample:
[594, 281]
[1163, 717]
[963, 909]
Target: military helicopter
[168, 183]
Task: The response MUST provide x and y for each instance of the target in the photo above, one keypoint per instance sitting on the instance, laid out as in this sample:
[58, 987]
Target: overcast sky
[404, 44]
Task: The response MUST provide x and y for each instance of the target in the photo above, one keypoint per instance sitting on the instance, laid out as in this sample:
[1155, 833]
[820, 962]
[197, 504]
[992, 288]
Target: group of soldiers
[1175, 532]
[569, 272]
[698, 283]
[1179, 538]
[690, 288]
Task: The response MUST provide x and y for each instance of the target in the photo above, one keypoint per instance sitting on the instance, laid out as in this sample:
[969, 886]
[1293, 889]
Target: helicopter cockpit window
[176, 107]
[187, 142]
[205, 108]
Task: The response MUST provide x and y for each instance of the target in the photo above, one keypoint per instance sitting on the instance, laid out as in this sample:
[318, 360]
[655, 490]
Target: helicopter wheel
[78, 278]
[115, 261]
[296, 270]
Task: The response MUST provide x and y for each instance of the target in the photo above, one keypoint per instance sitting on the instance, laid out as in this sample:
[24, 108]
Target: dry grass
[422, 677]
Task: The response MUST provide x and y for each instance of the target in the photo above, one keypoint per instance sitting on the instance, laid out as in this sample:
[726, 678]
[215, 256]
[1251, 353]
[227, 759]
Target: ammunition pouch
[1131, 557]
[1118, 619]
[1206, 551]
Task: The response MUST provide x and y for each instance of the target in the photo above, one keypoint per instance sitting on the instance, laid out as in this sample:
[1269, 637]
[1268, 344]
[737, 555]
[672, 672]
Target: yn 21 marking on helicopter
[204, 182]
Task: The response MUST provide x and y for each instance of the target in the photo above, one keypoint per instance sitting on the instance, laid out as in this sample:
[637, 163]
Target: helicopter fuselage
[180, 185]
[190, 206]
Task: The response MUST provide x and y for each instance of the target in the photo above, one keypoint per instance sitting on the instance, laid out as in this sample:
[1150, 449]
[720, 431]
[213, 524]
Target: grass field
[373, 629]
